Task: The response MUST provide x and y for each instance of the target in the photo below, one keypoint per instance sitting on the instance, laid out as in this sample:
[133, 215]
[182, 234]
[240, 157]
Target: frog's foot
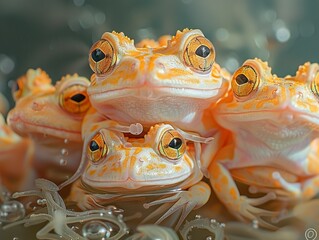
[281, 195]
[184, 201]
[245, 209]
[293, 188]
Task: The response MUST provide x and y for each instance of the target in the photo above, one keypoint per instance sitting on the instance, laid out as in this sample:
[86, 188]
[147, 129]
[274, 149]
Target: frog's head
[159, 159]
[175, 71]
[259, 100]
[51, 110]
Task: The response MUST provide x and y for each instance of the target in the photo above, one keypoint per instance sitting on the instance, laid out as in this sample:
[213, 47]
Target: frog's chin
[154, 93]
[132, 184]
[42, 131]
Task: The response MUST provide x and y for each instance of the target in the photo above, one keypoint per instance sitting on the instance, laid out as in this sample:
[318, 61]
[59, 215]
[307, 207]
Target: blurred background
[57, 35]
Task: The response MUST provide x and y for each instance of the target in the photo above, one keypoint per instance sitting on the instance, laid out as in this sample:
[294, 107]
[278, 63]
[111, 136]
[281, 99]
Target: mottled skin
[138, 167]
[274, 146]
[51, 115]
[15, 158]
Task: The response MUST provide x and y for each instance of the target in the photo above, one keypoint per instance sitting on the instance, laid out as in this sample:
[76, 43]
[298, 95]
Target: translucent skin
[273, 148]
[44, 113]
[16, 154]
[157, 82]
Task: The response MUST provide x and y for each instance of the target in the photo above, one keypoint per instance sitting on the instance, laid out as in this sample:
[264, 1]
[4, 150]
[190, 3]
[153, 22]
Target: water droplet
[255, 223]
[96, 230]
[11, 211]
[41, 202]
[63, 162]
[64, 152]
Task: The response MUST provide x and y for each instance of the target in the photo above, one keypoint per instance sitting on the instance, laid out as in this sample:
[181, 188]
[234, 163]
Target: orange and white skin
[173, 80]
[160, 163]
[274, 149]
[16, 154]
[51, 116]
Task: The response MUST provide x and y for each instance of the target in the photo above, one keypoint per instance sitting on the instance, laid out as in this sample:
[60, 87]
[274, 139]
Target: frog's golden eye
[74, 99]
[102, 57]
[199, 54]
[97, 148]
[315, 85]
[244, 81]
[172, 145]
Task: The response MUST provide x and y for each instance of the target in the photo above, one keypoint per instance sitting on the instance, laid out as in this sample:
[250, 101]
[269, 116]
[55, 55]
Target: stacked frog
[161, 114]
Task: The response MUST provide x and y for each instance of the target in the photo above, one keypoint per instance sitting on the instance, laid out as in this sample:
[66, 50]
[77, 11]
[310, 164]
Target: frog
[16, 154]
[159, 164]
[51, 115]
[273, 147]
[172, 80]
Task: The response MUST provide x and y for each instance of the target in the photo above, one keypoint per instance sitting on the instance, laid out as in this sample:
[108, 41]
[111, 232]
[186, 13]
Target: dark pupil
[93, 146]
[97, 55]
[78, 97]
[241, 79]
[202, 51]
[176, 143]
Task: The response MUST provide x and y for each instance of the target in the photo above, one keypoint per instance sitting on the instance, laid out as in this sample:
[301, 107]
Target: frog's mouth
[155, 92]
[24, 127]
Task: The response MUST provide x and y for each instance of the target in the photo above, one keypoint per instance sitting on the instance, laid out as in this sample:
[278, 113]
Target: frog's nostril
[37, 106]
[97, 55]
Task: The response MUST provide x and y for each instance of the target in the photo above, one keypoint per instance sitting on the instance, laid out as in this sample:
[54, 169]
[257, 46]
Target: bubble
[99, 18]
[96, 230]
[66, 141]
[231, 64]
[6, 64]
[222, 34]
[282, 34]
[63, 162]
[64, 152]
[11, 211]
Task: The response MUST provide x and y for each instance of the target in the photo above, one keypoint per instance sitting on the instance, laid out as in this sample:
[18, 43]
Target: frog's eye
[172, 145]
[97, 148]
[315, 85]
[244, 81]
[74, 99]
[102, 57]
[199, 54]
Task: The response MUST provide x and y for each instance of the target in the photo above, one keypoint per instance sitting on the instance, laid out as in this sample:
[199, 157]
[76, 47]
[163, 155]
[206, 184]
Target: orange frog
[51, 115]
[274, 148]
[160, 164]
[15, 159]
[173, 80]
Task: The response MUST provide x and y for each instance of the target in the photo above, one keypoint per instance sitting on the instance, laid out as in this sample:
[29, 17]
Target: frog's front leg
[242, 207]
[186, 201]
[300, 190]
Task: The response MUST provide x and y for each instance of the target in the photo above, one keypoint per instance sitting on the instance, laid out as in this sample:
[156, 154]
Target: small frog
[274, 146]
[16, 154]
[161, 164]
[51, 115]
